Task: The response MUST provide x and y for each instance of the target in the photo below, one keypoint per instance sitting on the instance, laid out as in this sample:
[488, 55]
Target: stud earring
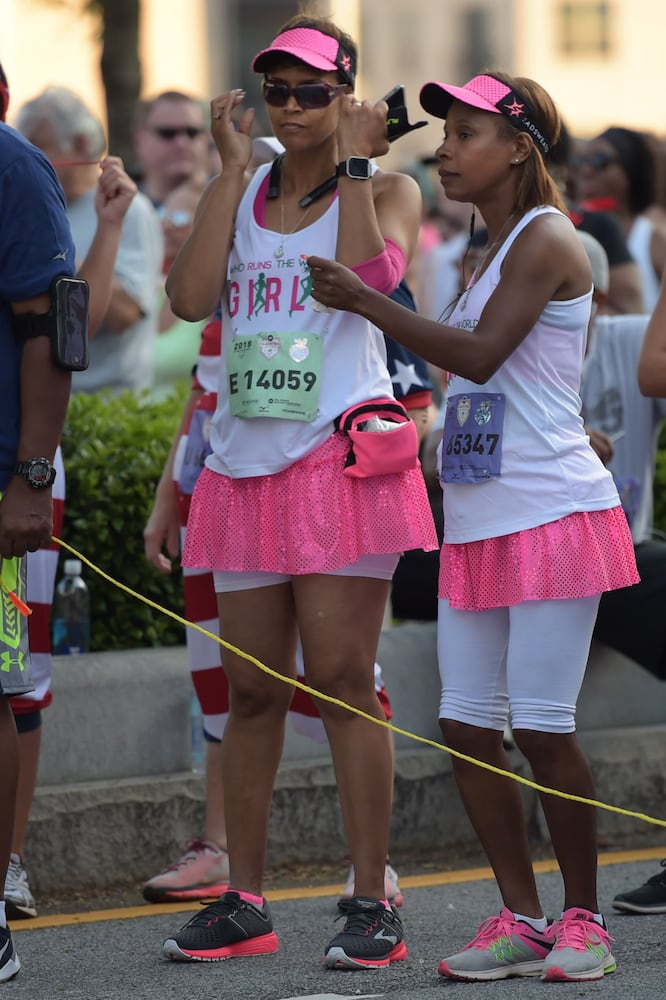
[516, 160]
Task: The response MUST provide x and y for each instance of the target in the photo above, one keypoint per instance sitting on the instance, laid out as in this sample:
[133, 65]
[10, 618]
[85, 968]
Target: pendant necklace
[279, 251]
[476, 274]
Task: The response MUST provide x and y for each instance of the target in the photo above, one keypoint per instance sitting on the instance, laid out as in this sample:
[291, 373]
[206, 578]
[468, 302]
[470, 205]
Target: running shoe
[228, 928]
[9, 960]
[503, 947]
[391, 887]
[202, 872]
[648, 898]
[581, 949]
[372, 936]
[19, 901]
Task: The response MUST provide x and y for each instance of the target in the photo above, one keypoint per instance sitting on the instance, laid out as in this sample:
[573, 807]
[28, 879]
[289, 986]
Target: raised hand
[115, 190]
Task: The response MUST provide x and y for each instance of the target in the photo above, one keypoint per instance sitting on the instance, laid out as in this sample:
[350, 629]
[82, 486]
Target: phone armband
[65, 324]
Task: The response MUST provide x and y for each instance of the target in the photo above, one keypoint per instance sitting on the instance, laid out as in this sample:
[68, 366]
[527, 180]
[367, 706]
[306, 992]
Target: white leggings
[528, 660]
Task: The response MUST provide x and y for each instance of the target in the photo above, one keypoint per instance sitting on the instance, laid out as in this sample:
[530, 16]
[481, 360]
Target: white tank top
[548, 469]
[269, 294]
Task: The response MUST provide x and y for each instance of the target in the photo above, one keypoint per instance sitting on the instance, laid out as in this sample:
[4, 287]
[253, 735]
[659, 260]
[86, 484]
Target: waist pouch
[383, 439]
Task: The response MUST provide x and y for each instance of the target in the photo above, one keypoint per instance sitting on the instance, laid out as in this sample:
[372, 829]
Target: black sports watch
[37, 472]
[357, 167]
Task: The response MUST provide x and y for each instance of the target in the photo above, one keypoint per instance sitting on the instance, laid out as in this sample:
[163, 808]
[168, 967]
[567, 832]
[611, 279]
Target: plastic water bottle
[71, 612]
[197, 736]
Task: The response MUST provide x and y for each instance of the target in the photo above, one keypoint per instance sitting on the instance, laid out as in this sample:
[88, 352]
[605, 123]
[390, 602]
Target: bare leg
[260, 622]
[557, 762]
[29, 745]
[215, 828]
[495, 810]
[9, 756]
[339, 621]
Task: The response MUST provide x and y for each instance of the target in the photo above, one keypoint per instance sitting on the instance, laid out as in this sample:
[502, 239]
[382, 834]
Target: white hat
[265, 148]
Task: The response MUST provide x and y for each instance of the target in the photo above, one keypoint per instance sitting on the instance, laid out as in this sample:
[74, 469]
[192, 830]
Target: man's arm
[26, 514]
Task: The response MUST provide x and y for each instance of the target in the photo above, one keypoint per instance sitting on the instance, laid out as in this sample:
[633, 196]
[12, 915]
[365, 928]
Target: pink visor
[487, 94]
[312, 47]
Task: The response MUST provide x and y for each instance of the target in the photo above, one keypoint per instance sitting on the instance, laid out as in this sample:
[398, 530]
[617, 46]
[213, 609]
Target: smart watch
[37, 472]
[357, 167]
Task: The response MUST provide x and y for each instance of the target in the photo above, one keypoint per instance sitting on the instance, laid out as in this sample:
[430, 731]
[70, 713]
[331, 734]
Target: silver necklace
[279, 251]
[476, 273]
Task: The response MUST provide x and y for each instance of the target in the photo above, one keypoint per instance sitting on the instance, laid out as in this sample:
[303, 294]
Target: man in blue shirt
[35, 248]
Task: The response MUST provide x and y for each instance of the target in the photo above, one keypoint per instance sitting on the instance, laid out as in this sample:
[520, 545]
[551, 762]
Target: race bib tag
[275, 375]
[472, 444]
[197, 451]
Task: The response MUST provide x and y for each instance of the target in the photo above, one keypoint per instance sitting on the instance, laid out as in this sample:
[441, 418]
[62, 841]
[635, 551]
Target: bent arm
[545, 262]
[198, 274]
[652, 359]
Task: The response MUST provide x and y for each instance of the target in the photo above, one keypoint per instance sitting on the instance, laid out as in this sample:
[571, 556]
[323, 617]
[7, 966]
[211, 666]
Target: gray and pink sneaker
[581, 949]
[503, 947]
[202, 872]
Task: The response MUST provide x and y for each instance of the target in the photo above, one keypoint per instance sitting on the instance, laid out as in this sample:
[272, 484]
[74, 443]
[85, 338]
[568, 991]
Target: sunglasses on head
[178, 219]
[307, 95]
[596, 161]
[168, 134]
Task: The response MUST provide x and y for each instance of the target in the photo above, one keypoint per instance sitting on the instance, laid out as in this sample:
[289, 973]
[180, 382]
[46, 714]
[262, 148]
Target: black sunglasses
[596, 161]
[168, 134]
[307, 95]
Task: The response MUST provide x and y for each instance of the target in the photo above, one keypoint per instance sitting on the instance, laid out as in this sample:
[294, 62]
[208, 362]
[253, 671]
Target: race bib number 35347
[472, 445]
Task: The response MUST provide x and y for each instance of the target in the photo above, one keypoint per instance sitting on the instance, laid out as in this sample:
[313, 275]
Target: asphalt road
[109, 955]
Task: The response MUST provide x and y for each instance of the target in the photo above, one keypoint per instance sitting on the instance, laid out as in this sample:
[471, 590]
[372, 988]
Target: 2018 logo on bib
[269, 346]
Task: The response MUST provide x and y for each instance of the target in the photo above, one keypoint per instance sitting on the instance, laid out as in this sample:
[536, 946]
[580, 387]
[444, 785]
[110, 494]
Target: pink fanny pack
[377, 448]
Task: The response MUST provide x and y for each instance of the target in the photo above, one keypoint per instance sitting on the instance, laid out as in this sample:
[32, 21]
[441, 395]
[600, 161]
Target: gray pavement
[119, 958]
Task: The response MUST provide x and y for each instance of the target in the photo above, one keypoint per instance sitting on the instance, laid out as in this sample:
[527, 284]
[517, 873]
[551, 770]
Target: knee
[248, 701]
[459, 736]
[541, 749]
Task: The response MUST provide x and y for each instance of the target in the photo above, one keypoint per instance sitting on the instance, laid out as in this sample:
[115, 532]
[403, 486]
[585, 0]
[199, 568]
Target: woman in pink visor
[533, 527]
[301, 541]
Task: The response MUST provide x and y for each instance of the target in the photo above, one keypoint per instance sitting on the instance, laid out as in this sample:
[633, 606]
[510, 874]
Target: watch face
[39, 473]
[358, 166]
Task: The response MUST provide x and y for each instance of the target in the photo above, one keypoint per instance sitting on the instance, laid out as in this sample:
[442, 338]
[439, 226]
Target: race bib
[472, 443]
[196, 452]
[275, 375]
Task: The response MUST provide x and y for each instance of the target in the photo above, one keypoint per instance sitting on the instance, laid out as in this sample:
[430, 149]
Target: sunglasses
[596, 161]
[177, 219]
[168, 134]
[307, 95]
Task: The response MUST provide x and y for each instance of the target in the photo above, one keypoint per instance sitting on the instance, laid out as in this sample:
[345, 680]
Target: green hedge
[114, 448]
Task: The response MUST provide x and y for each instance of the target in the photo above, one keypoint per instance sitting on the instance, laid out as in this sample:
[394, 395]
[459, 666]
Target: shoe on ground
[503, 947]
[372, 937]
[228, 928]
[9, 960]
[202, 872]
[648, 898]
[581, 949]
[19, 901]
[391, 887]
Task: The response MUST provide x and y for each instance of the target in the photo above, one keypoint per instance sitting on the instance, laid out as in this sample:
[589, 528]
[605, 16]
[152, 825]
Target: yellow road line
[320, 891]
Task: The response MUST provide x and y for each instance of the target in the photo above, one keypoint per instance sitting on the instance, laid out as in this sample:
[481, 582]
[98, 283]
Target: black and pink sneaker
[228, 928]
[372, 937]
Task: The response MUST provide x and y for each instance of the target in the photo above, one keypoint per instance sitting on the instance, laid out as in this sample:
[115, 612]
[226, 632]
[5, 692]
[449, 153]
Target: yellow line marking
[457, 877]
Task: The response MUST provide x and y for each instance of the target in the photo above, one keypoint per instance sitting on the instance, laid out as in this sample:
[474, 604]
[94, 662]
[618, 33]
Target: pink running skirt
[309, 518]
[580, 555]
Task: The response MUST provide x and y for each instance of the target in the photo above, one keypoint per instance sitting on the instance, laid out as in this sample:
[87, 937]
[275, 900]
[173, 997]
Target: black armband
[65, 324]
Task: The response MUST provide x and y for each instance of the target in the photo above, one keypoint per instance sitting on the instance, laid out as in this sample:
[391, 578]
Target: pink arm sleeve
[385, 271]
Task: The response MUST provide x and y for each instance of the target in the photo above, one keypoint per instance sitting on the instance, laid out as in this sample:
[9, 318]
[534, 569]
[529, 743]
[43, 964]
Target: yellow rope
[357, 711]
